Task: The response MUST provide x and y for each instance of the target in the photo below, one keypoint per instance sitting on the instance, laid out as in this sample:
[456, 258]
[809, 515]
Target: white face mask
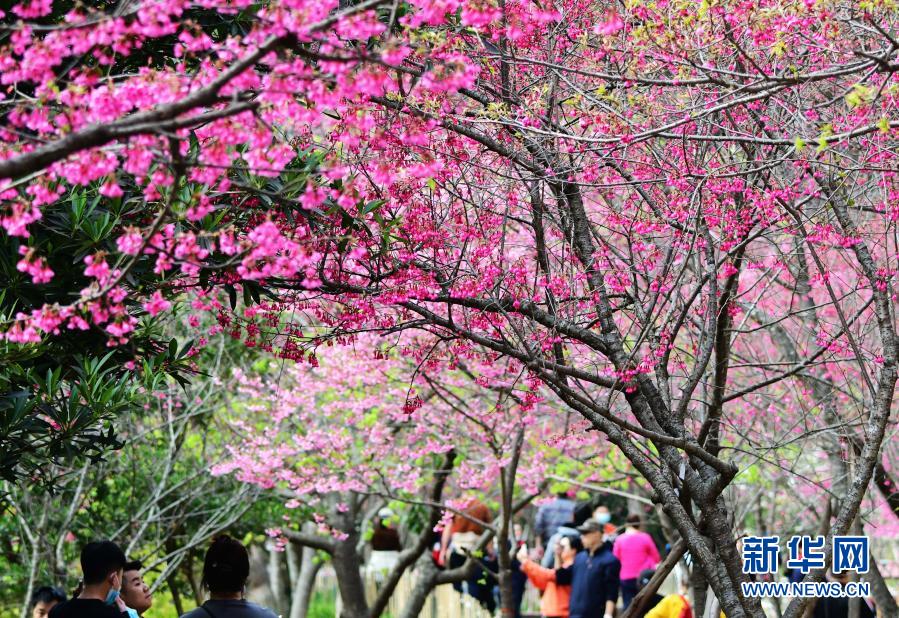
[603, 518]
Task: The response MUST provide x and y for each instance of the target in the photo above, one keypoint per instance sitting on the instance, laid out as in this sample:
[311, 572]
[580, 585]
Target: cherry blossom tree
[342, 438]
[633, 202]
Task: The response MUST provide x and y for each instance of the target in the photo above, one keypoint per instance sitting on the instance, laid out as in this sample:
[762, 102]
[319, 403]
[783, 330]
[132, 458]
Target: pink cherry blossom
[33, 265]
[156, 304]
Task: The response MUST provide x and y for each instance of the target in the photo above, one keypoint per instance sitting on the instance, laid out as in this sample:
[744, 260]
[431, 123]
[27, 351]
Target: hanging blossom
[34, 265]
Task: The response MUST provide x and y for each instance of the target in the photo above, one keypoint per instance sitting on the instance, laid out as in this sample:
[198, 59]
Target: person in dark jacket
[838, 607]
[102, 564]
[595, 575]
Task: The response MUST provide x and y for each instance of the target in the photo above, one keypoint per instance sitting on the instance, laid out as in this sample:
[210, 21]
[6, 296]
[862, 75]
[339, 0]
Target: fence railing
[443, 602]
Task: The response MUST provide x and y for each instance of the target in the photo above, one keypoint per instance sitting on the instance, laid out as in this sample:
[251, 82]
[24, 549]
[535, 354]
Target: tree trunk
[699, 587]
[29, 589]
[188, 567]
[176, 596]
[294, 555]
[426, 575]
[504, 560]
[349, 579]
[276, 582]
[37, 540]
[885, 600]
[304, 583]
[638, 606]
[504, 576]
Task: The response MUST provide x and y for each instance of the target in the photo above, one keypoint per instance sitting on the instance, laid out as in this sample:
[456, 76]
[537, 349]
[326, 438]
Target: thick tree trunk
[349, 579]
[504, 560]
[506, 591]
[718, 559]
[699, 586]
[425, 580]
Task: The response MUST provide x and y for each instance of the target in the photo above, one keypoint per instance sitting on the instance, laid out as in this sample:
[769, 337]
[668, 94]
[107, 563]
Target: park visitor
[549, 554]
[555, 597]
[670, 606]
[135, 591]
[642, 581]
[602, 514]
[838, 607]
[385, 541]
[637, 552]
[385, 545]
[458, 540]
[551, 516]
[226, 569]
[44, 599]
[102, 564]
[593, 576]
[462, 534]
[518, 579]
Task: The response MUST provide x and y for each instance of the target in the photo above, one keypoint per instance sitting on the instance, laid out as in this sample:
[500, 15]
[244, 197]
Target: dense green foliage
[59, 398]
[155, 497]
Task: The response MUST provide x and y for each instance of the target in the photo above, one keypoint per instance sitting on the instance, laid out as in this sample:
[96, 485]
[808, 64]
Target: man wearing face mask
[102, 563]
[602, 515]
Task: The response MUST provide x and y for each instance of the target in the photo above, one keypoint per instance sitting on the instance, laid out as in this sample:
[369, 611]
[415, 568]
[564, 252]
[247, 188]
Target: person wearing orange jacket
[554, 602]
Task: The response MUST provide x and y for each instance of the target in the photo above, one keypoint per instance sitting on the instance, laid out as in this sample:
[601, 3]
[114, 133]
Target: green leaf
[859, 95]
[372, 205]
[826, 132]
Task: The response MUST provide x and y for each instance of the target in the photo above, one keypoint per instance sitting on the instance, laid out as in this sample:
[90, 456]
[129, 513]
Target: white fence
[444, 601]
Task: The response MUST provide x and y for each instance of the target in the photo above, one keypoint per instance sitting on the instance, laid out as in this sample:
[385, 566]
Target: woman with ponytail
[226, 570]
